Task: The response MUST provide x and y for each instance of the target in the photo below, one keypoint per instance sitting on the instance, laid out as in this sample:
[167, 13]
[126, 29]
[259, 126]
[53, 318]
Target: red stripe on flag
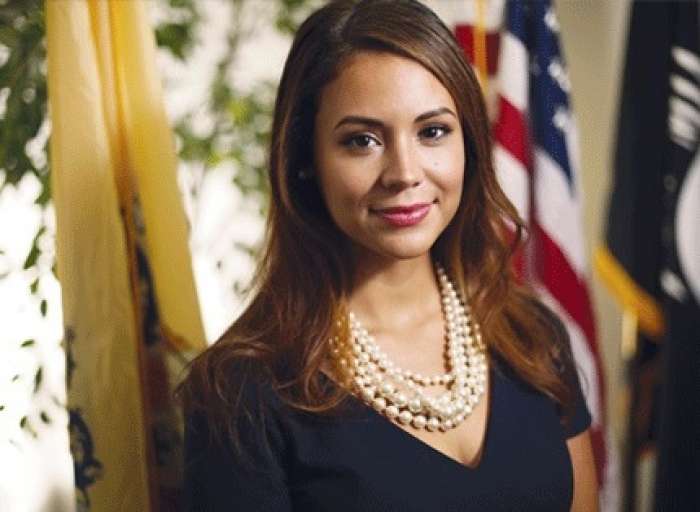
[511, 132]
[465, 37]
[555, 272]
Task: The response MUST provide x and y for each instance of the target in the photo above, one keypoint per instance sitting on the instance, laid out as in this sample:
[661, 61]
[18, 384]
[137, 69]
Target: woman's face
[389, 155]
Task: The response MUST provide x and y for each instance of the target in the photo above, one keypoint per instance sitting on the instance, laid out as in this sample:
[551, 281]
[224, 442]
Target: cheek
[342, 186]
[344, 182]
[450, 168]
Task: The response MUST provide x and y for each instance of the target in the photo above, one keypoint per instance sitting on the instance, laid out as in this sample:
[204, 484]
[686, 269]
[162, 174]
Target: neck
[394, 293]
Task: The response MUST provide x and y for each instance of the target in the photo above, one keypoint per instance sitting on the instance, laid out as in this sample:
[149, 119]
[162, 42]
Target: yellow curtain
[113, 162]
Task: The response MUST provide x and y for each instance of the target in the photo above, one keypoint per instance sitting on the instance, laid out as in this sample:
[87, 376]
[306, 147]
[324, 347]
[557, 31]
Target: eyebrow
[370, 121]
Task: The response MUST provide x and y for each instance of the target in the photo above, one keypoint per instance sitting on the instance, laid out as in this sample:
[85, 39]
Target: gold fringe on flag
[631, 296]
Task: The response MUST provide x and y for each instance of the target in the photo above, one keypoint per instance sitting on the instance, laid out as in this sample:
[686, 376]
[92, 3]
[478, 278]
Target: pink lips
[404, 216]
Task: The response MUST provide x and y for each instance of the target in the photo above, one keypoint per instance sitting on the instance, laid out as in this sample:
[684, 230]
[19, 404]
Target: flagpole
[480, 52]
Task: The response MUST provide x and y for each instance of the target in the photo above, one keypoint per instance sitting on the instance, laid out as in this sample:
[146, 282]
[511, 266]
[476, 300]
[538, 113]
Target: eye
[435, 132]
[360, 141]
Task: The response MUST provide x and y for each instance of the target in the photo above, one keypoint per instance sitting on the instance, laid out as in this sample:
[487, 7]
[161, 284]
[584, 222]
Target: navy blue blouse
[364, 462]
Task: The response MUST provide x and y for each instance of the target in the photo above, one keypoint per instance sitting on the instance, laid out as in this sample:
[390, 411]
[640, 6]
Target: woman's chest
[368, 463]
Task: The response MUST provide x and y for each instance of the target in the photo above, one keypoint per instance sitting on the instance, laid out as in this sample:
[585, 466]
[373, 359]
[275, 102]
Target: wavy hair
[304, 274]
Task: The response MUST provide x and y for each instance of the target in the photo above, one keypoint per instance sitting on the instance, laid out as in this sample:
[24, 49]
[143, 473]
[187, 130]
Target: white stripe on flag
[513, 179]
[513, 77]
[557, 211]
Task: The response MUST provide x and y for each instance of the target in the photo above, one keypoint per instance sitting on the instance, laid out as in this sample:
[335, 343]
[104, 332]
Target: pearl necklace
[379, 382]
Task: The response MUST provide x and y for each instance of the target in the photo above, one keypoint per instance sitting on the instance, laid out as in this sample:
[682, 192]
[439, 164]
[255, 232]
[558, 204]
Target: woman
[387, 359]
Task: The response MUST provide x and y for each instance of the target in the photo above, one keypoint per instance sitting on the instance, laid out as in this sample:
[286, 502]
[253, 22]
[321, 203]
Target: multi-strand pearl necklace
[398, 393]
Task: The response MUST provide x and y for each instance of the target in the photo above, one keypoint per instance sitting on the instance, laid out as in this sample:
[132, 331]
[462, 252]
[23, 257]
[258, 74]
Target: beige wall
[594, 34]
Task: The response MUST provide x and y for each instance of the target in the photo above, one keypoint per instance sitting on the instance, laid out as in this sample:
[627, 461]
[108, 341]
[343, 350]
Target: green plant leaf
[32, 257]
[26, 425]
[34, 252]
[27, 343]
[38, 378]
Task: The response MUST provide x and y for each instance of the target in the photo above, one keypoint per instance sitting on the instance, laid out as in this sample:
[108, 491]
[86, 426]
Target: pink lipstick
[404, 216]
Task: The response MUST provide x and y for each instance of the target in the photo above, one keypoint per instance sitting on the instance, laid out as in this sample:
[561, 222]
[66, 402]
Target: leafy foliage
[22, 89]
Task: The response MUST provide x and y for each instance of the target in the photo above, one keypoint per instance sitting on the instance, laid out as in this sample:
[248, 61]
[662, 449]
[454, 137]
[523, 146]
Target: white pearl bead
[391, 411]
[405, 417]
[379, 403]
[368, 393]
[433, 424]
[400, 400]
[419, 421]
[387, 388]
[414, 405]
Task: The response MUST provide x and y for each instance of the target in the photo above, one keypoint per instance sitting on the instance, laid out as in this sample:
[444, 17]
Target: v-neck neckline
[428, 448]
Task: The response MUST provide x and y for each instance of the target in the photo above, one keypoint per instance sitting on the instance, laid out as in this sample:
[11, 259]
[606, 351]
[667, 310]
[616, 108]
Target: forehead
[384, 85]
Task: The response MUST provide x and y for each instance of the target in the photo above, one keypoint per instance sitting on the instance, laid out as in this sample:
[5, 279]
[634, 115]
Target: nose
[401, 167]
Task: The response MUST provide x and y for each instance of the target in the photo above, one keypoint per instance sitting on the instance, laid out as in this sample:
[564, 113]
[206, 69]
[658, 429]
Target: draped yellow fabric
[110, 146]
[150, 147]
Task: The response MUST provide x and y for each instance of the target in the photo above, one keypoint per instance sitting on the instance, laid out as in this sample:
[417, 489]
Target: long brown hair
[304, 274]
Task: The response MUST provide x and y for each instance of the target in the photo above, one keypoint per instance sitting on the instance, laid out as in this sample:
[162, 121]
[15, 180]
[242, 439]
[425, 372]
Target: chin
[406, 249]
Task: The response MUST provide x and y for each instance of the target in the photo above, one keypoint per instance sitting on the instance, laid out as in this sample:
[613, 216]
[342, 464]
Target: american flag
[536, 158]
